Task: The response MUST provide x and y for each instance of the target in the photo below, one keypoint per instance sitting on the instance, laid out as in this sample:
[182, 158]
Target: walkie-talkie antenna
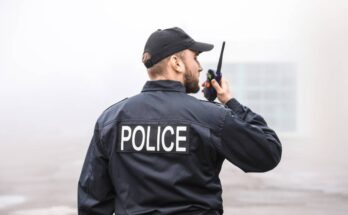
[218, 71]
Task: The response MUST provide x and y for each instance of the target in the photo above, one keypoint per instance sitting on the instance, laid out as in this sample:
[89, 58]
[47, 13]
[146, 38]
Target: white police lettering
[158, 136]
[166, 138]
[170, 148]
[148, 147]
[141, 129]
[124, 137]
[180, 138]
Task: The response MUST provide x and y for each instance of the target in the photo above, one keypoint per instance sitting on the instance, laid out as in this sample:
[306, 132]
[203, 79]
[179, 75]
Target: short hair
[158, 68]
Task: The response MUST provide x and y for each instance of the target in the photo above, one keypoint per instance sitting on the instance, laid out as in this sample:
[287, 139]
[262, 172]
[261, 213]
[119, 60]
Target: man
[161, 151]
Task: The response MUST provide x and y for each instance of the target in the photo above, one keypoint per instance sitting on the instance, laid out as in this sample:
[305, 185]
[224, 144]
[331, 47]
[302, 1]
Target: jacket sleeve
[95, 190]
[247, 141]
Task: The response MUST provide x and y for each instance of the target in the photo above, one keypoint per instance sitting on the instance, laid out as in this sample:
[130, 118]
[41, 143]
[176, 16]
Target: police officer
[161, 151]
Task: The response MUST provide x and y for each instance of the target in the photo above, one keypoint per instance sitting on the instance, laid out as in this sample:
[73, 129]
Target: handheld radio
[209, 91]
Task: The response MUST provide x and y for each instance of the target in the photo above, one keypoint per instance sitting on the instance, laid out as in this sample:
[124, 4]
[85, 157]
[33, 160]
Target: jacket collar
[164, 85]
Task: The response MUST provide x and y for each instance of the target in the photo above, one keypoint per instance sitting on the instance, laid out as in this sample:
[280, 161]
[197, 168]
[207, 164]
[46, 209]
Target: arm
[246, 140]
[95, 190]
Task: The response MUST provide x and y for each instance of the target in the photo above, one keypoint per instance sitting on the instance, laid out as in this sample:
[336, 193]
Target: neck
[168, 76]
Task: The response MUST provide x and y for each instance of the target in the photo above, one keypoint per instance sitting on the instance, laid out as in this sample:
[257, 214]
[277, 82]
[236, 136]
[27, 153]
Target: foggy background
[63, 62]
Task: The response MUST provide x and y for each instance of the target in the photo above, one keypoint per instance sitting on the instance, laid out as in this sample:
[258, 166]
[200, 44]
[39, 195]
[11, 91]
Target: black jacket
[161, 152]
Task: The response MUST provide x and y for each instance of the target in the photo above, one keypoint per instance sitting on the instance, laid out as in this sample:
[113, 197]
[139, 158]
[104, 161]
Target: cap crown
[163, 43]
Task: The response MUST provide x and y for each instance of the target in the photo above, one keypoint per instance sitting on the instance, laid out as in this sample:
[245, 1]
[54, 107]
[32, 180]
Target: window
[268, 89]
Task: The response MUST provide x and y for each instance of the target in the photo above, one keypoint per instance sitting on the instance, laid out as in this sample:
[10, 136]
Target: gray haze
[63, 62]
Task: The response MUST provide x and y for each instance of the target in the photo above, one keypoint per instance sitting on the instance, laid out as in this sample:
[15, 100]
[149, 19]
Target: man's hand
[223, 91]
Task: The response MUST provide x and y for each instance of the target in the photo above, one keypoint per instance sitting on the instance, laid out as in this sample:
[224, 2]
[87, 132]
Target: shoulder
[211, 106]
[211, 112]
[116, 105]
[110, 113]
[214, 107]
[192, 100]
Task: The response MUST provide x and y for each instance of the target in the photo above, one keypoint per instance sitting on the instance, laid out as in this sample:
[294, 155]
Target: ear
[177, 64]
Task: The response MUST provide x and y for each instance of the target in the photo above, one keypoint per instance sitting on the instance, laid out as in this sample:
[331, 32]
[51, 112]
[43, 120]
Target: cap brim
[201, 47]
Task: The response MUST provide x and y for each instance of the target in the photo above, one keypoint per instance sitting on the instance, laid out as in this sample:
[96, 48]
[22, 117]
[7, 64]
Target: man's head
[171, 54]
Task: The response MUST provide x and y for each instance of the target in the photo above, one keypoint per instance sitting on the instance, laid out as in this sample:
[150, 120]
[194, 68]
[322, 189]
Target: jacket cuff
[235, 106]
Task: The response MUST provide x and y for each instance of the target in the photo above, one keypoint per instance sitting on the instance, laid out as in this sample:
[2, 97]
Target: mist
[63, 62]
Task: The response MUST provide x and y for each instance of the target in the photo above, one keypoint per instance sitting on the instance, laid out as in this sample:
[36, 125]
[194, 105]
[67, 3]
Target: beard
[191, 82]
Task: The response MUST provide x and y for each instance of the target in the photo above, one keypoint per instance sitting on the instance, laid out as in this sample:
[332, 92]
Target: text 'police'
[168, 138]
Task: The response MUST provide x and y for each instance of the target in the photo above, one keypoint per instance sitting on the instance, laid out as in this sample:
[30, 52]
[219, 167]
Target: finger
[224, 83]
[216, 86]
[206, 84]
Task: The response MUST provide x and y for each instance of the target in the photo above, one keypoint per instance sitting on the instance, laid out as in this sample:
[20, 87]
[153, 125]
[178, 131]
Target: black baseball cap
[163, 43]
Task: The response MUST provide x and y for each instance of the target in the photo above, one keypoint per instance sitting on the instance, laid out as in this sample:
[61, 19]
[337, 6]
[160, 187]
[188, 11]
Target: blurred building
[267, 88]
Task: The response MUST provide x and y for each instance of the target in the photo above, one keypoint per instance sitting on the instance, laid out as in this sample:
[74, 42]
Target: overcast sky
[63, 62]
